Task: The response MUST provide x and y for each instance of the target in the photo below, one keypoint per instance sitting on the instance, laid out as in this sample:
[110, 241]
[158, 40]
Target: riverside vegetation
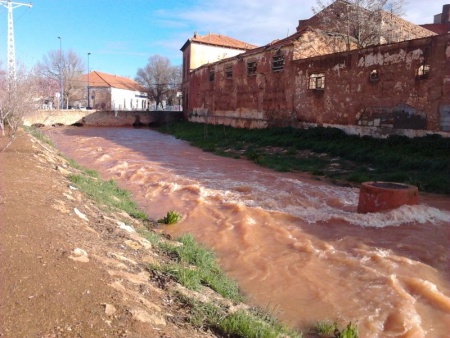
[329, 152]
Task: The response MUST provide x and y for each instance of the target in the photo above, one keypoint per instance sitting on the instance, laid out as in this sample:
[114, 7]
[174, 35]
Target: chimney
[445, 17]
[195, 34]
[300, 24]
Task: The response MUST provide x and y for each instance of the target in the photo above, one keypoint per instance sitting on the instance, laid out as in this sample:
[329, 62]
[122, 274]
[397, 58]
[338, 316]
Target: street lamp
[60, 74]
[89, 81]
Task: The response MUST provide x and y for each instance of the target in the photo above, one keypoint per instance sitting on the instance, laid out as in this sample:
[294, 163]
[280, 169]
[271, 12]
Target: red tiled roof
[438, 28]
[99, 79]
[219, 40]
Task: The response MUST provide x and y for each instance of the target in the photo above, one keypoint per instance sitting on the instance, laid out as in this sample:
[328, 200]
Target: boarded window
[211, 76]
[277, 63]
[228, 72]
[251, 68]
[317, 81]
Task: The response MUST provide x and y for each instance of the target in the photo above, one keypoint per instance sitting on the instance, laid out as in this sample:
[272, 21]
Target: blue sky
[122, 34]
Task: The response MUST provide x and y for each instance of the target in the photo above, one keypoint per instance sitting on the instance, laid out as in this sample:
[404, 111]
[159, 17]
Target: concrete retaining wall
[101, 118]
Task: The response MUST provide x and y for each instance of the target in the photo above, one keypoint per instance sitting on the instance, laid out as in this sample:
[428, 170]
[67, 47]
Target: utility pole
[10, 5]
[89, 83]
[61, 94]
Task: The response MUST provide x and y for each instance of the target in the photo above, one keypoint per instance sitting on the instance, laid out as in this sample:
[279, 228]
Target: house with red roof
[113, 92]
[210, 48]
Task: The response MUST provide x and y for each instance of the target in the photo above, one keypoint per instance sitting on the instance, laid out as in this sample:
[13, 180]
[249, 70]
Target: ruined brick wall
[259, 99]
[386, 88]
[401, 86]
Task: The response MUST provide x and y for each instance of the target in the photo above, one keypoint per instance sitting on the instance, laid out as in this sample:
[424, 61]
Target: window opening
[211, 76]
[251, 68]
[317, 81]
[229, 72]
[277, 62]
[423, 71]
[374, 75]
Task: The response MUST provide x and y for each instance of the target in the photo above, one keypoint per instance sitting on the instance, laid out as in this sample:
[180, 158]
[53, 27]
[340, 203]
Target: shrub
[172, 217]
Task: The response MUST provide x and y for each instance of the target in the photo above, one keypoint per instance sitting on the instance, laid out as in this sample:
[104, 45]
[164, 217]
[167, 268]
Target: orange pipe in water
[380, 196]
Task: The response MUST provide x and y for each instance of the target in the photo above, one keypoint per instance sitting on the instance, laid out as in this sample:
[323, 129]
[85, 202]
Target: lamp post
[60, 74]
[88, 88]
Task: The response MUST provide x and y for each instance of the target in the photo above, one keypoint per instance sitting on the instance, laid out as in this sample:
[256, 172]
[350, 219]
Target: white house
[112, 92]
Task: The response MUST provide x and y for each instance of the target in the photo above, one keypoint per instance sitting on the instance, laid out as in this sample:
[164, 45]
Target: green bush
[172, 217]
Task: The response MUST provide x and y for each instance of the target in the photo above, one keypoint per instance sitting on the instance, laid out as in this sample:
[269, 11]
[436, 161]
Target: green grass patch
[331, 329]
[106, 193]
[35, 132]
[422, 161]
[194, 265]
[245, 324]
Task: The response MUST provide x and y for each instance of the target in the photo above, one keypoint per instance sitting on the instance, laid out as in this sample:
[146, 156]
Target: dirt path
[67, 268]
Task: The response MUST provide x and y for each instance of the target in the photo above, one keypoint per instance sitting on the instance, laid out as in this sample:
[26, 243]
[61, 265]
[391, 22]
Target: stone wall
[101, 118]
[401, 88]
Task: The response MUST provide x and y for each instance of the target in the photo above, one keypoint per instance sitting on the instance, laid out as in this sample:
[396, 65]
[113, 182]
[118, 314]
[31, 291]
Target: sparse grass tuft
[172, 217]
[245, 324]
[330, 329]
[106, 193]
[350, 331]
[194, 266]
[324, 328]
[39, 135]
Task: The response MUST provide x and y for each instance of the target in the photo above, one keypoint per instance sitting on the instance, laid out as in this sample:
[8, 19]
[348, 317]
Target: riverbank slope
[69, 269]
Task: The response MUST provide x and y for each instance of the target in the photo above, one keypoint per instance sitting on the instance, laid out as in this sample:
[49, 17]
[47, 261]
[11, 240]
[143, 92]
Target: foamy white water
[294, 244]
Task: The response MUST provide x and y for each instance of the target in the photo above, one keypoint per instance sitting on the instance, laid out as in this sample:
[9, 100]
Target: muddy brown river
[295, 245]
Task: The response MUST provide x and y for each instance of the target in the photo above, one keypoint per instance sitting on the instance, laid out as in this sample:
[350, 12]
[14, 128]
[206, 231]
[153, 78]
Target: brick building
[320, 76]
[200, 50]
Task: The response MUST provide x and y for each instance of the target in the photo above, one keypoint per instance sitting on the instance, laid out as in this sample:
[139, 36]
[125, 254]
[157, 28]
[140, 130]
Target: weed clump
[172, 217]
[331, 329]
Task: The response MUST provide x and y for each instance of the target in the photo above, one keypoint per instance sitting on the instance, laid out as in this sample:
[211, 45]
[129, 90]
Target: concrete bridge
[101, 118]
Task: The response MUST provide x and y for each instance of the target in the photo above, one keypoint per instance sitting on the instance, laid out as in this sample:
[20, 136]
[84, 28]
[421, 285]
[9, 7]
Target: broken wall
[377, 90]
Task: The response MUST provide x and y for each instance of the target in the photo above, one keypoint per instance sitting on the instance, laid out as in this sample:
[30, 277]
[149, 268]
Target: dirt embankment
[69, 269]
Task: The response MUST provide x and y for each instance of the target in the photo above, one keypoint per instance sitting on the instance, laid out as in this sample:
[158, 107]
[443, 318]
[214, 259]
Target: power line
[10, 39]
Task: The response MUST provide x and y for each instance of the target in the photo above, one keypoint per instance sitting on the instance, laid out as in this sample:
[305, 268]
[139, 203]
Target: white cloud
[260, 22]
[257, 22]
[422, 11]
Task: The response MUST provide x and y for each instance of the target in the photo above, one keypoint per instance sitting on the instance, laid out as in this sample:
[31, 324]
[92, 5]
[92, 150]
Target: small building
[112, 92]
[200, 50]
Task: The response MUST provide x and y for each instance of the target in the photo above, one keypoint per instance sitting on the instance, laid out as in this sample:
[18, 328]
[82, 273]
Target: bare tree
[159, 78]
[361, 21]
[17, 98]
[46, 89]
[174, 85]
[66, 68]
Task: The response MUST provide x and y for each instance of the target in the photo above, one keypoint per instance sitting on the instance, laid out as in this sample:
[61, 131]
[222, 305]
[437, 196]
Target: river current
[295, 245]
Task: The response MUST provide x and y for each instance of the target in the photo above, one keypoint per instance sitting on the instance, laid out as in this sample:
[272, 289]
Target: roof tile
[99, 79]
[222, 40]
